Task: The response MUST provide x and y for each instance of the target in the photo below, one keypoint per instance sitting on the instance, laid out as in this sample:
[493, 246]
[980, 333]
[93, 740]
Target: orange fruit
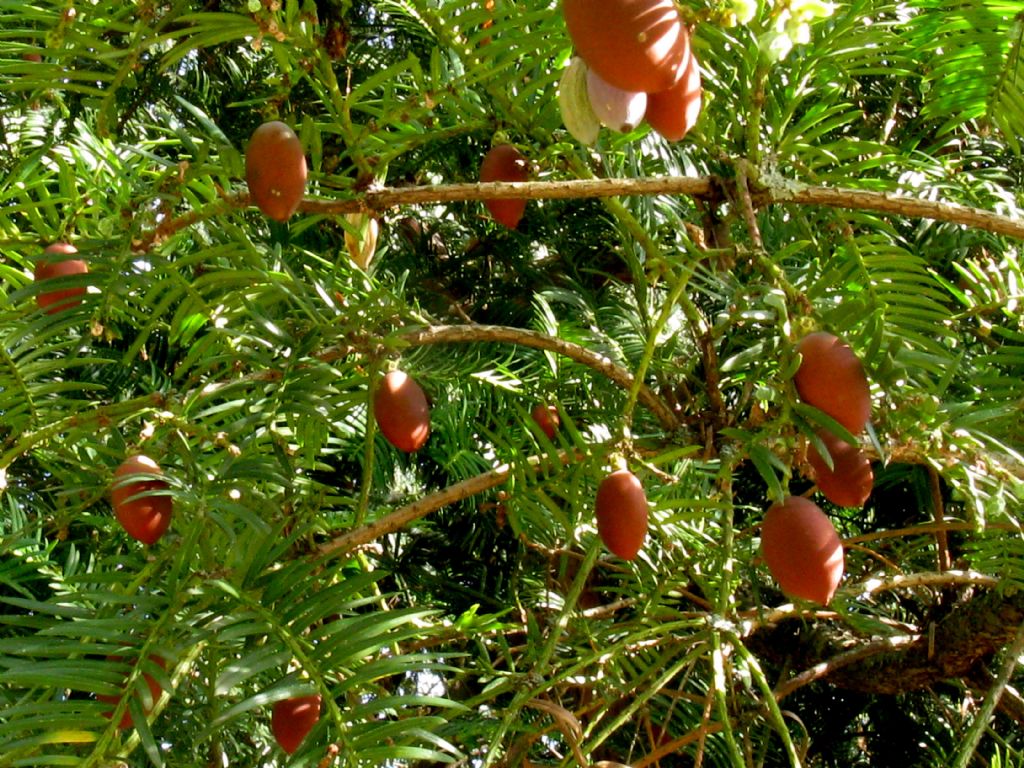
[674, 112]
[802, 549]
[621, 509]
[850, 480]
[46, 269]
[505, 163]
[145, 518]
[832, 379]
[291, 720]
[635, 45]
[275, 169]
[402, 412]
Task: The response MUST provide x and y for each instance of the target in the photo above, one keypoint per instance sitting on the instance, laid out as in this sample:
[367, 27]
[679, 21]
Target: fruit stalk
[770, 701]
[721, 701]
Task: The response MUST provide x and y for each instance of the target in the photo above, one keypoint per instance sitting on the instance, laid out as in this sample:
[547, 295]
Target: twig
[949, 578]
[945, 562]
[924, 529]
[389, 197]
[826, 668]
[887, 202]
[450, 334]
[402, 516]
[377, 199]
[747, 205]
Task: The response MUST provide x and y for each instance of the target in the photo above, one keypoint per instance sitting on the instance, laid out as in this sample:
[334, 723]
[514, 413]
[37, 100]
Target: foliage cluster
[455, 605]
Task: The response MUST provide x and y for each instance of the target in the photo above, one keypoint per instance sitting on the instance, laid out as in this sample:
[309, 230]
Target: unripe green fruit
[574, 103]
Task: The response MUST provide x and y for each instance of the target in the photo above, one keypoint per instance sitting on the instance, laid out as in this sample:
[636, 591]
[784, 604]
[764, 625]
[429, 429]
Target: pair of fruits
[798, 541]
[832, 379]
[634, 61]
[402, 412]
[291, 720]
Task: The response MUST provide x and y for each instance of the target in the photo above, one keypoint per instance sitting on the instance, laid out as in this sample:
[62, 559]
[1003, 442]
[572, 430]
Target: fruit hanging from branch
[505, 163]
[291, 720]
[621, 510]
[802, 549]
[139, 503]
[275, 169]
[635, 45]
[402, 412]
[620, 110]
[674, 112]
[849, 481]
[832, 379]
[546, 417]
[59, 299]
[147, 706]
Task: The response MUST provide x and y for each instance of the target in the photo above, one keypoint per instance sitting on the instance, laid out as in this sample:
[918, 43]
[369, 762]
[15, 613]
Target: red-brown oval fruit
[275, 168]
[850, 480]
[636, 45]
[620, 110]
[402, 411]
[546, 417]
[621, 508]
[505, 163]
[154, 693]
[291, 720]
[832, 379]
[674, 112]
[63, 298]
[145, 518]
[802, 549]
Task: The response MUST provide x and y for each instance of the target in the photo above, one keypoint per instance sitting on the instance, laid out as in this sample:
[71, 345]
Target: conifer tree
[318, 450]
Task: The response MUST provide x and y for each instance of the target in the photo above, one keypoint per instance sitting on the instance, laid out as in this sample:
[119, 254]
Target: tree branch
[902, 205]
[377, 199]
[402, 516]
[450, 334]
[951, 648]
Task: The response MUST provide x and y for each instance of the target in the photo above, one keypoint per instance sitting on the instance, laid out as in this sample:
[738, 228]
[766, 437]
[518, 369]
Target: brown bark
[950, 648]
